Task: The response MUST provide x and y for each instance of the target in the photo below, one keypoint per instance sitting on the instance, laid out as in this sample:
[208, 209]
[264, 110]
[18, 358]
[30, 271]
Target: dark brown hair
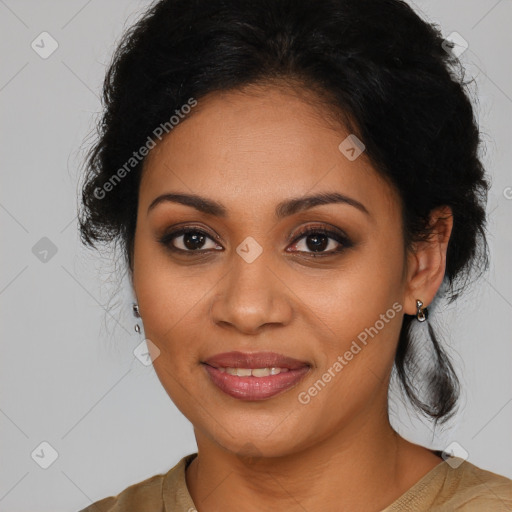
[379, 65]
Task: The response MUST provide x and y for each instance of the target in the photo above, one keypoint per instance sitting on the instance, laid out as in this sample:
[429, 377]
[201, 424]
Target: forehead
[261, 144]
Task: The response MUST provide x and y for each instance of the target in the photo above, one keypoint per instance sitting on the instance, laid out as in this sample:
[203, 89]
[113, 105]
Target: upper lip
[254, 360]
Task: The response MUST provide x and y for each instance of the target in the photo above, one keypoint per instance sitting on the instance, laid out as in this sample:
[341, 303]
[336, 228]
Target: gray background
[68, 375]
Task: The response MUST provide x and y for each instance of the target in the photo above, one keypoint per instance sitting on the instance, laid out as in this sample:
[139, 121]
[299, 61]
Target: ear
[426, 261]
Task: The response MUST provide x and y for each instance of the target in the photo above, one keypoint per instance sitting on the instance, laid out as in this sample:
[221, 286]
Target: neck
[364, 467]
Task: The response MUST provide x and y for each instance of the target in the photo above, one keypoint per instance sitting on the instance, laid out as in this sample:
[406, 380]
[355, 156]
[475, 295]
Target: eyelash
[343, 240]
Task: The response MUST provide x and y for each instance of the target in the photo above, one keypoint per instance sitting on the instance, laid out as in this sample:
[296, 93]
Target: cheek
[169, 296]
[352, 296]
[169, 300]
[358, 314]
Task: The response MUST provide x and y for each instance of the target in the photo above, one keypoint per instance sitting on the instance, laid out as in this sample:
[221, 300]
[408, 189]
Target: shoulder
[145, 496]
[142, 496]
[456, 485]
[470, 487]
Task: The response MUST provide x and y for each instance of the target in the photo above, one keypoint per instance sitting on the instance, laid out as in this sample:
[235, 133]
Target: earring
[422, 313]
[137, 315]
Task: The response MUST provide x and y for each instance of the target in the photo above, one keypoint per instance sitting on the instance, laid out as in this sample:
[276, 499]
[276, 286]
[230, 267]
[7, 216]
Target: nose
[251, 296]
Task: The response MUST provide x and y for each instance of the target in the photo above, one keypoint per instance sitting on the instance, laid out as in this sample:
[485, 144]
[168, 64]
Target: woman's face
[250, 282]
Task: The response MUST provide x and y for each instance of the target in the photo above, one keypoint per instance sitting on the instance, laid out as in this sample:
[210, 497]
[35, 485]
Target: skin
[250, 150]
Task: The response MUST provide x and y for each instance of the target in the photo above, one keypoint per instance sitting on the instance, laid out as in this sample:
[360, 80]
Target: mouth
[254, 376]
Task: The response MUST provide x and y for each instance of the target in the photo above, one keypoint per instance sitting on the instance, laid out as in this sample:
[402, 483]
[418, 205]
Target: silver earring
[137, 315]
[422, 313]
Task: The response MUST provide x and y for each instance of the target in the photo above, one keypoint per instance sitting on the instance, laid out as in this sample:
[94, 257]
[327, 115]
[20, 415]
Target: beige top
[451, 486]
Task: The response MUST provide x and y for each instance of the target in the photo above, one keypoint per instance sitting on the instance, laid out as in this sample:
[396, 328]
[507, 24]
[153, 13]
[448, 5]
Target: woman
[291, 183]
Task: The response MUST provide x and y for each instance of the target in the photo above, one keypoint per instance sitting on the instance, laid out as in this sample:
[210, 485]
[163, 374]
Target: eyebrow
[283, 209]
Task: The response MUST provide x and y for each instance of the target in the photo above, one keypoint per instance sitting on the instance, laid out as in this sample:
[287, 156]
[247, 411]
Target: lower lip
[255, 388]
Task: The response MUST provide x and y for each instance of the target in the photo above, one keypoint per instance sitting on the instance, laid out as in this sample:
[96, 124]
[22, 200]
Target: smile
[254, 383]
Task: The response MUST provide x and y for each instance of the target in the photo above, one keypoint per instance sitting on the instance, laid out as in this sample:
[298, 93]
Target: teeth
[261, 372]
[255, 372]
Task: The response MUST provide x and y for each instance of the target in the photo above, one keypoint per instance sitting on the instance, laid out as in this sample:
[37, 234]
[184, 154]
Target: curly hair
[386, 73]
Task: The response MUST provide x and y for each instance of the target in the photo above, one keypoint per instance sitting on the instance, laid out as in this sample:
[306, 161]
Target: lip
[255, 388]
[254, 360]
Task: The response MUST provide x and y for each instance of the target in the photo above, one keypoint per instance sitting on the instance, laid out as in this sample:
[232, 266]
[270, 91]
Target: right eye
[192, 241]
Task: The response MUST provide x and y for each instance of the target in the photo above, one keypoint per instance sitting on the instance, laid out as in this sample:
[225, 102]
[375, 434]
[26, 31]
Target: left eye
[317, 240]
